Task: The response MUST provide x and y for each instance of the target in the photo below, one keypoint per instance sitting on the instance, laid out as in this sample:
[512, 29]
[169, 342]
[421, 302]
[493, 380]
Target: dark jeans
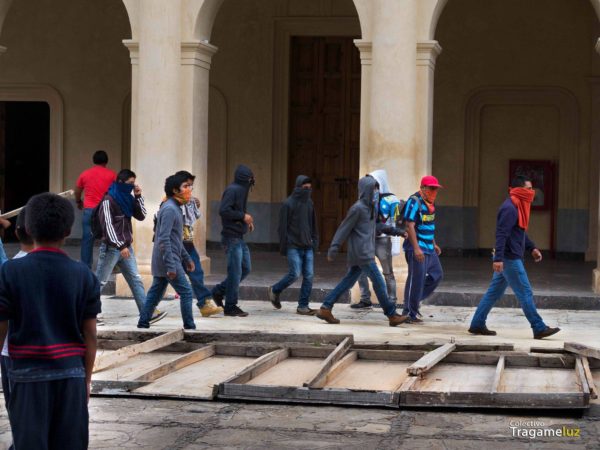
[423, 279]
[238, 268]
[383, 251]
[197, 276]
[157, 292]
[87, 239]
[49, 415]
[513, 275]
[372, 271]
[300, 261]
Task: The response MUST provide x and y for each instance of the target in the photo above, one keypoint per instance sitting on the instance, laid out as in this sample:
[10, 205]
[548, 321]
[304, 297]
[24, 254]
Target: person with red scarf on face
[511, 244]
[421, 251]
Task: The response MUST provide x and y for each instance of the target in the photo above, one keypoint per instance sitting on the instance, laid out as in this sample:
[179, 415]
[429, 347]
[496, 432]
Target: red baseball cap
[430, 181]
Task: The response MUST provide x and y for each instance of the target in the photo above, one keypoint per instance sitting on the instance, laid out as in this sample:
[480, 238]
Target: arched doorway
[513, 84]
[283, 118]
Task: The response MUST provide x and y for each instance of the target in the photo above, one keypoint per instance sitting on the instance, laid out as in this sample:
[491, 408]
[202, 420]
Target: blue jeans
[513, 275]
[87, 239]
[372, 271]
[157, 292]
[423, 279]
[3, 257]
[299, 261]
[197, 276]
[238, 268]
[109, 258]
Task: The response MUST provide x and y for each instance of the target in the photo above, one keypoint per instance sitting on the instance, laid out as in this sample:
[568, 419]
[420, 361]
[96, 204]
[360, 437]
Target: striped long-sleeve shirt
[117, 230]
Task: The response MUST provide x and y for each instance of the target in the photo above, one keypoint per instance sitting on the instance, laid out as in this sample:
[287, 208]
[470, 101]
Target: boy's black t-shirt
[46, 296]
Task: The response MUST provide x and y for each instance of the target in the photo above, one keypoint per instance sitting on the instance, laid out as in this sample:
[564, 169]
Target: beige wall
[242, 79]
[512, 43]
[75, 47]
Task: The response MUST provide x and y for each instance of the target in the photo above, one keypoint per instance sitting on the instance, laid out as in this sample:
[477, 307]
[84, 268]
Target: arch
[441, 4]
[49, 95]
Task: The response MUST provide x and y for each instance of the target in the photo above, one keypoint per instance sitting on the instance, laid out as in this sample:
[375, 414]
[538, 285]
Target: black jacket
[297, 220]
[117, 230]
[511, 240]
[233, 204]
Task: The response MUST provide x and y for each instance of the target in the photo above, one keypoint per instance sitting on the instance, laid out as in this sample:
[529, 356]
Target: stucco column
[595, 145]
[366, 58]
[196, 58]
[156, 115]
[427, 53]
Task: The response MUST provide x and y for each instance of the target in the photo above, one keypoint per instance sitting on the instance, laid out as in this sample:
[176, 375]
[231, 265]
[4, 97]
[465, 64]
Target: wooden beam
[259, 366]
[585, 387]
[430, 359]
[178, 363]
[341, 365]
[583, 350]
[590, 378]
[498, 375]
[123, 354]
[319, 380]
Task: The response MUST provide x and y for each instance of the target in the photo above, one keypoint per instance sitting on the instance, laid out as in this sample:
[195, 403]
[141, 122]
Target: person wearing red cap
[421, 251]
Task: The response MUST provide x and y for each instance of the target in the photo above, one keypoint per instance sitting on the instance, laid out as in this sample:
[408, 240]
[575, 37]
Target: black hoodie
[297, 221]
[233, 204]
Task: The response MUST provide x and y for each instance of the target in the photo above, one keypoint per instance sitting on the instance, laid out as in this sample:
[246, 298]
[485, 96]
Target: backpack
[95, 222]
[400, 220]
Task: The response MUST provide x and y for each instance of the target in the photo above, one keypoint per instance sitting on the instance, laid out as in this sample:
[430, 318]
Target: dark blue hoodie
[511, 240]
[233, 204]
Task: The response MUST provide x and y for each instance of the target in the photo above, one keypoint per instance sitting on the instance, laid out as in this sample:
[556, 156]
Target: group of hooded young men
[367, 229]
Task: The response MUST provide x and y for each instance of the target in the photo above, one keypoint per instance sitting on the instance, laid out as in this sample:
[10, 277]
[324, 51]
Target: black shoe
[414, 320]
[235, 312]
[140, 325]
[362, 305]
[483, 331]
[274, 298]
[218, 299]
[547, 332]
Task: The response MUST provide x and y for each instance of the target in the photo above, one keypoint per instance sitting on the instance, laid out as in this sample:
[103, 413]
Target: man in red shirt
[94, 183]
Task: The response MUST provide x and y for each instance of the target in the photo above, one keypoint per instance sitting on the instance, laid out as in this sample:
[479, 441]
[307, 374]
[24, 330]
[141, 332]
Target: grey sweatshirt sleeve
[344, 231]
[163, 236]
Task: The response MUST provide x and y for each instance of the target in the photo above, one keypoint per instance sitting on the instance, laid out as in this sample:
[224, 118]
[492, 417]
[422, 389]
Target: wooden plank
[341, 365]
[430, 360]
[123, 354]
[15, 212]
[498, 375]
[590, 377]
[259, 366]
[582, 350]
[320, 378]
[390, 355]
[427, 347]
[177, 364]
[581, 377]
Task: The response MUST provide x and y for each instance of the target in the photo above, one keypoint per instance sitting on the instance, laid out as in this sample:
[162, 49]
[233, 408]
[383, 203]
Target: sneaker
[210, 309]
[414, 321]
[547, 332]
[483, 331]
[327, 316]
[274, 298]
[306, 311]
[363, 304]
[158, 315]
[236, 312]
[139, 325]
[397, 319]
[218, 299]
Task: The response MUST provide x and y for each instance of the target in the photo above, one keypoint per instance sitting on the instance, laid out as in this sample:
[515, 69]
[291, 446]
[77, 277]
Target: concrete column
[156, 115]
[196, 58]
[427, 53]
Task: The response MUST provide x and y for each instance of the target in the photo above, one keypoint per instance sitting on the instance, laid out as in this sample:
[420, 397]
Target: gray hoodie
[359, 226]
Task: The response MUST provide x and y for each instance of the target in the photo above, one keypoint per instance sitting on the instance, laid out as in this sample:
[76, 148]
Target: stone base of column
[122, 288]
[596, 281]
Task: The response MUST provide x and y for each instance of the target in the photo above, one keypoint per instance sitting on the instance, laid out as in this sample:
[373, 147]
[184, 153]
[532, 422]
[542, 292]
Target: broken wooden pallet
[333, 369]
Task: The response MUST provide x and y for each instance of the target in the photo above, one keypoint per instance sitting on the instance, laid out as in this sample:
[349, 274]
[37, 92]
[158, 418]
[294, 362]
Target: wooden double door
[324, 124]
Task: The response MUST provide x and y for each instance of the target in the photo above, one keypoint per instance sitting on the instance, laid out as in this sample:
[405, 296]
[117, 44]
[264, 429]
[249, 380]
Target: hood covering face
[300, 194]
[366, 190]
[381, 177]
[243, 175]
[302, 179]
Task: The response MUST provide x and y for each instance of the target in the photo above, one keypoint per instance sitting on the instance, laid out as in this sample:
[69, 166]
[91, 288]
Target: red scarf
[429, 198]
[522, 199]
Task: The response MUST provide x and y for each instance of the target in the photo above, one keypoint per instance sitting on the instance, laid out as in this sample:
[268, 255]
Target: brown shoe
[397, 319]
[547, 332]
[325, 314]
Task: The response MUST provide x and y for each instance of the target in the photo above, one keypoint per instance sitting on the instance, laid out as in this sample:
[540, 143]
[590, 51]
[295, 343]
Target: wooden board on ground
[332, 370]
